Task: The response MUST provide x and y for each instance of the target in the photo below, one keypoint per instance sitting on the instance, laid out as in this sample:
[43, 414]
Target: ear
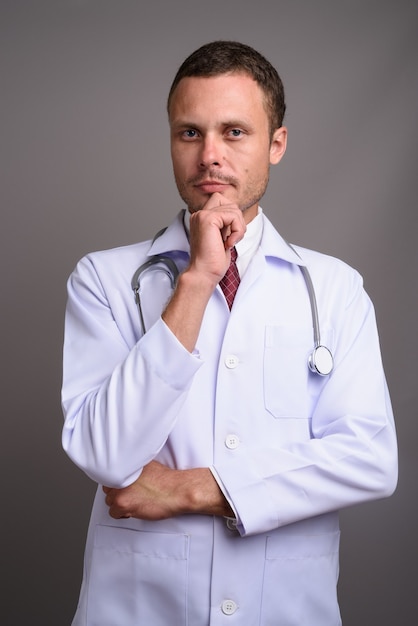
[278, 145]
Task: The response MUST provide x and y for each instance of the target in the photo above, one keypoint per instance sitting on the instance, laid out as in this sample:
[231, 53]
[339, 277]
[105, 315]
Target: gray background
[85, 165]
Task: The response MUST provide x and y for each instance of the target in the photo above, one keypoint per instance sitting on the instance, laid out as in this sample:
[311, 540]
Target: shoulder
[125, 259]
[121, 255]
[275, 245]
[334, 280]
[108, 265]
[323, 260]
[326, 263]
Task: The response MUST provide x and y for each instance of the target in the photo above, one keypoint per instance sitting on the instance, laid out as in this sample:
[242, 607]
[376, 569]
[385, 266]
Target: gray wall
[85, 165]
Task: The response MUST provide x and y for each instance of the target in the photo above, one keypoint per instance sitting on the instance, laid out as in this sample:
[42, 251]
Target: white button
[229, 607]
[231, 523]
[232, 442]
[231, 361]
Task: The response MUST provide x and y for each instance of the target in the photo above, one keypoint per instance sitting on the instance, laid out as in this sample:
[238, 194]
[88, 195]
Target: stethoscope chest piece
[321, 361]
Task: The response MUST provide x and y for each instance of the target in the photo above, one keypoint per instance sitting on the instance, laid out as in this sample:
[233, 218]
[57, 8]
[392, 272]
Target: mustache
[212, 176]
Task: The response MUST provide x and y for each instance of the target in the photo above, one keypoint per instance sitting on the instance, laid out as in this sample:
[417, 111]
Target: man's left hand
[161, 492]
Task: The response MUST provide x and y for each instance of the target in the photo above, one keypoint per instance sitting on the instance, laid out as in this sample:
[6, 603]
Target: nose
[211, 152]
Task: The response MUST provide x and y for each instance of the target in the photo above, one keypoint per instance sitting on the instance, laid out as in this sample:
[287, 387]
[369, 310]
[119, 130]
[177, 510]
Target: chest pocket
[290, 388]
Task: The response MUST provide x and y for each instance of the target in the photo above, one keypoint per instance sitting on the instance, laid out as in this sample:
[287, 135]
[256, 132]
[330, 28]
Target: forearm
[184, 313]
[116, 421]
[161, 493]
[354, 462]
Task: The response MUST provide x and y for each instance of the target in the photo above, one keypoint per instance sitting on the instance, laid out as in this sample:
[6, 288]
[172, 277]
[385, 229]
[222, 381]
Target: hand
[161, 492]
[214, 230]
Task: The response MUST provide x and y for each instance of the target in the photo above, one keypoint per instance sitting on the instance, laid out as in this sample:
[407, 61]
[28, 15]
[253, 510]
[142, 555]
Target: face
[221, 141]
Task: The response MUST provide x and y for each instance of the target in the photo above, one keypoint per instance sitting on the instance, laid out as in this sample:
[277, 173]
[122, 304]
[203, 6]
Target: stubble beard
[251, 195]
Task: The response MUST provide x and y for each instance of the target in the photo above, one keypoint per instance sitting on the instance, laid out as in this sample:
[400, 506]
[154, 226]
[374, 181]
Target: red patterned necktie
[229, 283]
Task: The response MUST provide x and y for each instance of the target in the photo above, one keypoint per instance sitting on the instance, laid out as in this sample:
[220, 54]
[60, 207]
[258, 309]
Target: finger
[115, 509]
[226, 231]
[115, 514]
[109, 500]
[216, 200]
[235, 231]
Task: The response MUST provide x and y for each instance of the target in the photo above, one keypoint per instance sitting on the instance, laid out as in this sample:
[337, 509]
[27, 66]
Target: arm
[351, 453]
[160, 492]
[122, 402]
[213, 232]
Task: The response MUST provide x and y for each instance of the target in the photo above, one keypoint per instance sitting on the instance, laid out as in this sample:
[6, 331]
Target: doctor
[221, 458]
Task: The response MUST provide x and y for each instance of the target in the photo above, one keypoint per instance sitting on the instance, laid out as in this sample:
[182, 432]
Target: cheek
[178, 168]
[182, 160]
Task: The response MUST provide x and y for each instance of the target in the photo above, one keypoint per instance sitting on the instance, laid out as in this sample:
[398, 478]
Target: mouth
[212, 186]
[211, 183]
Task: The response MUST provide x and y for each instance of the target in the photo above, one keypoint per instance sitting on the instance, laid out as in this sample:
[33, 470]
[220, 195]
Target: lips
[212, 186]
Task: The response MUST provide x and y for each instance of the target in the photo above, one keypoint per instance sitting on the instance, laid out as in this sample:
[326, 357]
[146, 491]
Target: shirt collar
[251, 240]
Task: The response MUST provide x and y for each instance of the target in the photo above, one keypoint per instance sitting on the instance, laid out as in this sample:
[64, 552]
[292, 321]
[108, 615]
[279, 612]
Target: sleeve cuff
[167, 357]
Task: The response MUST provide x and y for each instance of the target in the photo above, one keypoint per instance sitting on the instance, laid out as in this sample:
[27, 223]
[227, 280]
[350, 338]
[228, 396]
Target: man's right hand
[214, 230]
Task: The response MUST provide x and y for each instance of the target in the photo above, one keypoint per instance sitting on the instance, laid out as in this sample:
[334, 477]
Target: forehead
[225, 94]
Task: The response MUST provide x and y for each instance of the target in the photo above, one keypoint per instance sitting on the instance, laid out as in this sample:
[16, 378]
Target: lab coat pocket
[300, 581]
[286, 353]
[138, 577]
[290, 388]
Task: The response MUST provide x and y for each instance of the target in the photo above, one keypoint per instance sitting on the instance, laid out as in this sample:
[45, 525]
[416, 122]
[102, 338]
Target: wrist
[197, 283]
[203, 495]
[185, 311]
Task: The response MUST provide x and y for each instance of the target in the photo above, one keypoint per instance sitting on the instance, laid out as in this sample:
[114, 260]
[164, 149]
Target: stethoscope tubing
[320, 361]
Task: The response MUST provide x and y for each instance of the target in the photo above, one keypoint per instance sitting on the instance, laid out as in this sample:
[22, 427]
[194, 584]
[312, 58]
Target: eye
[190, 133]
[235, 133]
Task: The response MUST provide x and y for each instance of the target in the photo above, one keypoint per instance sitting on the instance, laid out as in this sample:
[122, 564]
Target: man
[223, 457]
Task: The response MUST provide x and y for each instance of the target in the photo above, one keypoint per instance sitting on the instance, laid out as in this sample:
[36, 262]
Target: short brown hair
[222, 57]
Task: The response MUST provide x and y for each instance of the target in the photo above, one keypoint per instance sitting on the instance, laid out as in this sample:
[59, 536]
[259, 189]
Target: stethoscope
[320, 361]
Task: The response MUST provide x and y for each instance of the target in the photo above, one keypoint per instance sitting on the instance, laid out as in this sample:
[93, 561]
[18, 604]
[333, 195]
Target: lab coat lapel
[272, 245]
[171, 239]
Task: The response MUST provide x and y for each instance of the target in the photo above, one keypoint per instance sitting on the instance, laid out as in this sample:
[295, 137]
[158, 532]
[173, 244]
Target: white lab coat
[289, 448]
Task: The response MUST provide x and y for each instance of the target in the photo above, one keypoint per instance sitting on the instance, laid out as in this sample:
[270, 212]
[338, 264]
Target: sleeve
[120, 402]
[351, 455]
